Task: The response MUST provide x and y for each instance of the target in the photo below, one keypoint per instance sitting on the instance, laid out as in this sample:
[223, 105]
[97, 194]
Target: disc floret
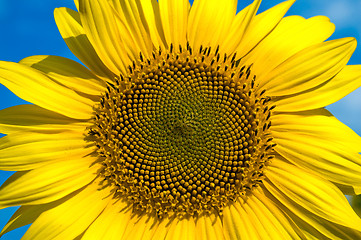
[184, 132]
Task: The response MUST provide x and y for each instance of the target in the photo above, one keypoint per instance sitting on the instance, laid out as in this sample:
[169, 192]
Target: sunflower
[188, 122]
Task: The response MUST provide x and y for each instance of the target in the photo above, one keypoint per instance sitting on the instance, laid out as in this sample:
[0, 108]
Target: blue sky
[27, 28]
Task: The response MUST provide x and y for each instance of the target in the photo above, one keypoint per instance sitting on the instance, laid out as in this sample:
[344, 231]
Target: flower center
[183, 133]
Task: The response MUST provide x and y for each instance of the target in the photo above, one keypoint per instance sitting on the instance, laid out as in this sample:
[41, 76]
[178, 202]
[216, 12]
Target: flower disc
[186, 135]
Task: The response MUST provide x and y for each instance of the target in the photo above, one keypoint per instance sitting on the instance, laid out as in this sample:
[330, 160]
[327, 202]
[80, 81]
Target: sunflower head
[188, 121]
[184, 132]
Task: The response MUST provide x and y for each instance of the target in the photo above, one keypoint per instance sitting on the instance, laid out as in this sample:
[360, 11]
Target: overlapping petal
[258, 217]
[69, 25]
[176, 229]
[104, 228]
[174, 15]
[47, 183]
[209, 226]
[152, 17]
[34, 86]
[68, 73]
[71, 218]
[311, 225]
[145, 226]
[239, 27]
[29, 213]
[309, 67]
[23, 151]
[133, 31]
[102, 27]
[313, 124]
[209, 22]
[335, 156]
[300, 189]
[29, 117]
[279, 45]
[324, 94]
[255, 28]
[336, 165]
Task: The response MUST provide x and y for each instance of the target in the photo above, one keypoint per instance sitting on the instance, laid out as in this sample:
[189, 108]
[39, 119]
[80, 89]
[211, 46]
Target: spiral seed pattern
[183, 133]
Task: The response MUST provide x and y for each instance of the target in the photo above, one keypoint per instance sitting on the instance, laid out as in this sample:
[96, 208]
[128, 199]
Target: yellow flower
[189, 122]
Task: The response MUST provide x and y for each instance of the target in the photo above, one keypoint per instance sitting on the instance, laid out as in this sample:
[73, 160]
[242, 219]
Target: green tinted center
[184, 136]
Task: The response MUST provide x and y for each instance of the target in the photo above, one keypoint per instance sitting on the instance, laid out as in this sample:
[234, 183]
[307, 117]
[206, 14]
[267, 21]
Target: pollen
[183, 132]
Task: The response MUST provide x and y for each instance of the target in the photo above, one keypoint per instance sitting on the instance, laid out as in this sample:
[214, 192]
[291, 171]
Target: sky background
[28, 28]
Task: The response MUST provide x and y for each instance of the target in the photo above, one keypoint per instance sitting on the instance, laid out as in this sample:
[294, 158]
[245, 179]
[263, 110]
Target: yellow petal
[317, 228]
[130, 225]
[210, 21]
[316, 123]
[256, 28]
[346, 81]
[174, 15]
[33, 86]
[309, 67]
[102, 29]
[260, 218]
[209, 226]
[291, 35]
[239, 28]
[104, 228]
[237, 223]
[162, 228]
[70, 28]
[76, 2]
[25, 151]
[152, 15]
[167, 229]
[139, 226]
[329, 159]
[131, 17]
[71, 218]
[311, 225]
[28, 214]
[181, 228]
[34, 118]
[47, 183]
[23, 216]
[311, 192]
[283, 225]
[68, 73]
